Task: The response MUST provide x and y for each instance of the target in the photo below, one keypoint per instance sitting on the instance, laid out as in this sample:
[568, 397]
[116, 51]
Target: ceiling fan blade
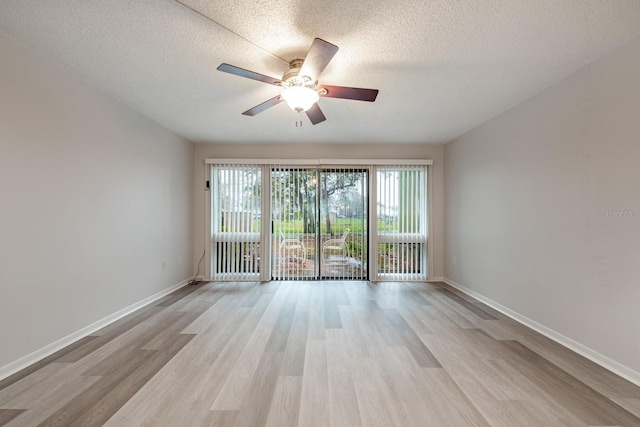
[317, 59]
[315, 114]
[232, 69]
[356, 93]
[261, 107]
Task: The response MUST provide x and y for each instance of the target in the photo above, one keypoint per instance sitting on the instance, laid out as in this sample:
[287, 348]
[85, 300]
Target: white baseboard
[602, 360]
[436, 279]
[43, 352]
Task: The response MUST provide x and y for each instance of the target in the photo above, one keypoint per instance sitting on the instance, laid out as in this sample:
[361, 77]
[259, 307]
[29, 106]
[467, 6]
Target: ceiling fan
[300, 82]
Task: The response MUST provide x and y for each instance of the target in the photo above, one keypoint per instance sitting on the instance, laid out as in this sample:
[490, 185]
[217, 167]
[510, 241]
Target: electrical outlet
[180, 260]
[164, 264]
[455, 260]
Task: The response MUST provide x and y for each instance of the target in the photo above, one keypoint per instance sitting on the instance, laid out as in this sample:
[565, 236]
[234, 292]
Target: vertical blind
[236, 222]
[293, 222]
[401, 223]
[344, 224]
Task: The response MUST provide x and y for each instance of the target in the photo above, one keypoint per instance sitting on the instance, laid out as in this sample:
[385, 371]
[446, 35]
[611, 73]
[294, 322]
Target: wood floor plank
[456, 314]
[631, 405]
[109, 403]
[472, 385]
[316, 311]
[304, 299]
[129, 321]
[314, 400]
[414, 320]
[285, 405]
[7, 415]
[181, 390]
[355, 345]
[168, 333]
[108, 334]
[251, 298]
[341, 295]
[238, 380]
[107, 395]
[53, 358]
[158, 329]
[465, 367]
[374, 402]
[364, 321]
[343, 402]
[280, 333]
[447, 403]
[474, 307]
[590, 373]
[331, 309]
[189, 383]
[294, 352]
[105, 356]
[44, 405]
[30, 381]
[496, 315]
[418, 349]
[220, 419]
[584, 402]
[257, 403]
[213, 316]
[384, 327]
[38, 391]
[82, 403]
[500, 380]
[177, 295]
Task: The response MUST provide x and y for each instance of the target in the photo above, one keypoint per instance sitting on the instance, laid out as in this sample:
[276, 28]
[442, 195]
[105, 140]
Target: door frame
[321, 269]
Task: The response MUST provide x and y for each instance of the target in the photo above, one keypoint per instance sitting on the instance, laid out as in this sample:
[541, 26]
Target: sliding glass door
[319, 223]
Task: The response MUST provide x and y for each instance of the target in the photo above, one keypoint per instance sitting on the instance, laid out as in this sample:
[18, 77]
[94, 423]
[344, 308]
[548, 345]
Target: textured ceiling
[442, 66]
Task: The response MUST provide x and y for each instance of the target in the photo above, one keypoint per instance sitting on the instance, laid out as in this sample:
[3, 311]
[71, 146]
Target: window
[236, 222]
[401, 223]
[311, 219]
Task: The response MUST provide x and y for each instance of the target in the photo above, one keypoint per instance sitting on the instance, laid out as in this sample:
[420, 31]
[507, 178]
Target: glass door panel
[294, 223]
[343, 224]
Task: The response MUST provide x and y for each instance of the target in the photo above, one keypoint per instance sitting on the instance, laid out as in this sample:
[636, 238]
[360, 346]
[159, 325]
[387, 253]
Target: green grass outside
[354, 225]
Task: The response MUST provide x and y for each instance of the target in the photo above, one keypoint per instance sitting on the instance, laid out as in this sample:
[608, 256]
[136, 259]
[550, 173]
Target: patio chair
[292, 249]
[336, 251]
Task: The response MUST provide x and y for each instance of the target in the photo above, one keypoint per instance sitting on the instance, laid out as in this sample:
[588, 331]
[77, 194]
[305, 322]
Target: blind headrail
[319, 162]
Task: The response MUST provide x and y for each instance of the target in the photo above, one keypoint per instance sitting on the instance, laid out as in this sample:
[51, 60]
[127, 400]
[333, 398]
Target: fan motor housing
[292, 76]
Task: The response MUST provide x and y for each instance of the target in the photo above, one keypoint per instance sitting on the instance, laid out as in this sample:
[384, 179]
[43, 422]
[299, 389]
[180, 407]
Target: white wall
[92, 198]
[322, 151]
[526, 202]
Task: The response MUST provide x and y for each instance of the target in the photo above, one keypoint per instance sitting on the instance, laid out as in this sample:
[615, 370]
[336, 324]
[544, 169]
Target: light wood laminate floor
[317, 354]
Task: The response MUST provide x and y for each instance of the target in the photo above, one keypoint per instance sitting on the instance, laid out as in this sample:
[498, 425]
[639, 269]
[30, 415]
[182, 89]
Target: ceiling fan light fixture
[300, 98]
[299, 83]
